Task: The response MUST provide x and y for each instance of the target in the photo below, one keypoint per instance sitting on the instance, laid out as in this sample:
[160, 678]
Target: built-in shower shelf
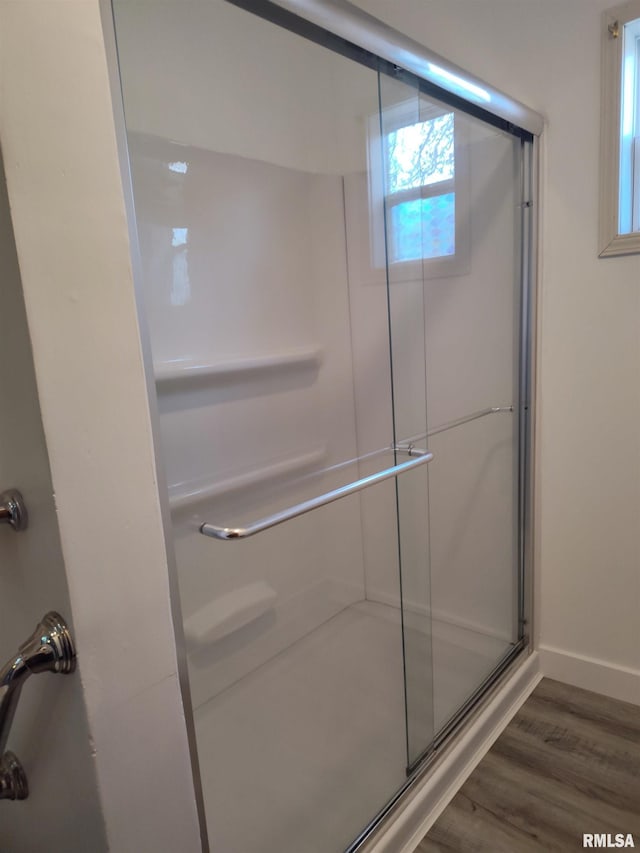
[186, 495]
[183, 370]
[225, 614]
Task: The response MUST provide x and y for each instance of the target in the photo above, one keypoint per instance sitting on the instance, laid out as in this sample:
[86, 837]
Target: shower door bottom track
[424, 764]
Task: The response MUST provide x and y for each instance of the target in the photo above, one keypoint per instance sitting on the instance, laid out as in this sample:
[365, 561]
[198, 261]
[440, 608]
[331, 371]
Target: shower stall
[334, 233]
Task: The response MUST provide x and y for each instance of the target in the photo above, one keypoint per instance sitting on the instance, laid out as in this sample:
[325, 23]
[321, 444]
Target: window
[629, 190]
[418, 170]
[420, 197]
[620, 167]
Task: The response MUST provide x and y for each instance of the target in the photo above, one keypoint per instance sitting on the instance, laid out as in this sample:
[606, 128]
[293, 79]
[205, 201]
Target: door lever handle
[13, 510]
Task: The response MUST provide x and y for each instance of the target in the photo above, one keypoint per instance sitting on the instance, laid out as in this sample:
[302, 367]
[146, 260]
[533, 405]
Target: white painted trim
[68, 210]
[117, 105]
[534, 545]
[619, 244]
[618, 682]
[427, 801]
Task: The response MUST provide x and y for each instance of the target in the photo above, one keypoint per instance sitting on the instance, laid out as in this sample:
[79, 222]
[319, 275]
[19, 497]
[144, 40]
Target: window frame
[612, 243]
[405, 114]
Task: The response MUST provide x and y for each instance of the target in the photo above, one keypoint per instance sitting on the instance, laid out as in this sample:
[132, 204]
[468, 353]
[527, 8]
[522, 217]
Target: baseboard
[591, 674]
[405, 828]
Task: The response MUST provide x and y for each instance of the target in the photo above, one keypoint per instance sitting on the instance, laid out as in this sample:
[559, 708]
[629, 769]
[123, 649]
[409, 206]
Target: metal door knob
[13, 510]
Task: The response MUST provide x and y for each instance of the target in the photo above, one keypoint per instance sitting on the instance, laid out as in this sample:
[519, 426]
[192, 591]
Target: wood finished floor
[567, 764]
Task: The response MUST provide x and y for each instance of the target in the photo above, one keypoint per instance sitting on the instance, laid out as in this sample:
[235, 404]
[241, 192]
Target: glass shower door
[250, 157]
[451, 188]
[329, 275]
[399, 160]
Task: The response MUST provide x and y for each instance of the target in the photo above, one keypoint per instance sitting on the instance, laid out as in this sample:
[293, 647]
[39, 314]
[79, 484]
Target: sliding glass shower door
[400, 164]
[451, 189]
[330, 275]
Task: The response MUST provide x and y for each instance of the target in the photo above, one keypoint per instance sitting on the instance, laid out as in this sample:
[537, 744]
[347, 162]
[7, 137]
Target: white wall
[59, 146]
[50, 734]
[546, 53]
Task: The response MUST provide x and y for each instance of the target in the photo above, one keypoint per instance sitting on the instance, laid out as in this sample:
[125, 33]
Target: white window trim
[458, 263]
[611, 242]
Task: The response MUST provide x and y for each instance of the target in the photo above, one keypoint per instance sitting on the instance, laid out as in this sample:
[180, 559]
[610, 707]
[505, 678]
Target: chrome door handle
[13, 510]
[49, 649]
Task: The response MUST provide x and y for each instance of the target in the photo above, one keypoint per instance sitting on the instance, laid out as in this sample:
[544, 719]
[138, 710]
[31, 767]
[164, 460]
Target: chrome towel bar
[407, 443]
[268, 521]
[494, 410]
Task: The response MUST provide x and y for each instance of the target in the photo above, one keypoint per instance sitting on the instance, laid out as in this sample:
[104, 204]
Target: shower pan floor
[314, 739]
